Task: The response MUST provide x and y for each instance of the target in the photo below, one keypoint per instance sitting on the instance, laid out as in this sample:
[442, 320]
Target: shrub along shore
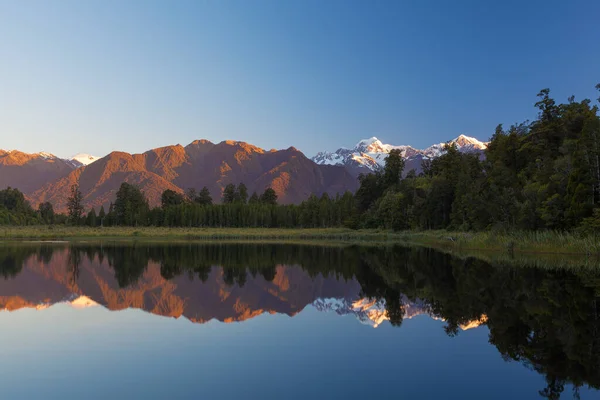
[547, 242]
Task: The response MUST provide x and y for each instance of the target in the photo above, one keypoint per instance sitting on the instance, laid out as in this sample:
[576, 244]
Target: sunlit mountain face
[546, 318]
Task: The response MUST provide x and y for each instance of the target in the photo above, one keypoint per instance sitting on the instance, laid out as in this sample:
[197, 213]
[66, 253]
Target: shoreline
[543, 242]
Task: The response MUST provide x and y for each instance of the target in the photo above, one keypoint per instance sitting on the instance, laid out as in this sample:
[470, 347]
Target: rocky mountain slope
[293, 176]
[29, 172]
[290, 173]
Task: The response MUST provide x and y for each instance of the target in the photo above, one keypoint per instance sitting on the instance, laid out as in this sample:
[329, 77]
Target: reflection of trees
[12, 259]
[545, 319]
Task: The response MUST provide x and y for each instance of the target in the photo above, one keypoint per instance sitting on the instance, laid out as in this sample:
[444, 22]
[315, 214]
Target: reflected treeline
[129, 261]
[547, 319]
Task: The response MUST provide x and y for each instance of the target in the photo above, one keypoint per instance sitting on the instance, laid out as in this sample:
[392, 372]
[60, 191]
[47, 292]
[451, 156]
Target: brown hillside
[201, 163]
[29, 172]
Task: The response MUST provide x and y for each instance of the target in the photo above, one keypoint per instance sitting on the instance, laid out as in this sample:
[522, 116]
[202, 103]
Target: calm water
[290, 322]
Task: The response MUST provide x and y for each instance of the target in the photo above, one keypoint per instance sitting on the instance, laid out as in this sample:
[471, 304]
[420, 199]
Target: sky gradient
[97, 76]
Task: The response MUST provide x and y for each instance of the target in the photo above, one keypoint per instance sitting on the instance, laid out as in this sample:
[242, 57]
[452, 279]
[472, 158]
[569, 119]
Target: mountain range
[294, 177]
[370, 154]
[43, 283]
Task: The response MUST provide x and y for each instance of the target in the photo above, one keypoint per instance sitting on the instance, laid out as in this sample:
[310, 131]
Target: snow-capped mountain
[371, 153]
[83, 159]
[19, 154]
[76, 161]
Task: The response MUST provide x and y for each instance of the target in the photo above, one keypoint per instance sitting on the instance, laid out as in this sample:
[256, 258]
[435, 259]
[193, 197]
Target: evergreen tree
[269, 197]
[91, 219]
[171, 198]
[229, 194]
[204, 197]
[131, 207]
[242, 191]
[254, 199]
[101, 216]
[75, 205]
[191, 195]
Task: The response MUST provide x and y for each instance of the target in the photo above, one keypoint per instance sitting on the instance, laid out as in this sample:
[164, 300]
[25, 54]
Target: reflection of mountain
[45, 282]
[66, 276]
[548, 319]
[372, 312]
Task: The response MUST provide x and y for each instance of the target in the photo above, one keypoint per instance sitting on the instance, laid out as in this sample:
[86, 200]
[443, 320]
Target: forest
[538, 175]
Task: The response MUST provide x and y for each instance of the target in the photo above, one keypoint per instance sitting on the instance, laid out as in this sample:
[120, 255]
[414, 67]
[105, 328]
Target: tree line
[196, 209]
[543, 174]
[535, 175]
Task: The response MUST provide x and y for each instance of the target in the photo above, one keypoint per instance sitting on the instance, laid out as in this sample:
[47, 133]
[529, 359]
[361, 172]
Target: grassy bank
[76, 233]
[546, 242]
[507, 243]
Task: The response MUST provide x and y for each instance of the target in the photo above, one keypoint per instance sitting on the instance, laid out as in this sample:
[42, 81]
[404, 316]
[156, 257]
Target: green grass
[75, 233]
[542, 242]
[534, 243]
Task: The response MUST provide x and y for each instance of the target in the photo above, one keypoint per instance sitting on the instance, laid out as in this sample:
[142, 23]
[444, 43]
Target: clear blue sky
[96, 76]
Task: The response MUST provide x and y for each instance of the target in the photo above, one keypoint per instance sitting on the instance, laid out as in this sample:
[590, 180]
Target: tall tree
[171, 198]
[204, 198]
[91, 219]
[229, 194]
[191, 195]
[242, 191]
[75, 205]
[269, 197]
[392, 171]
[101, 216]
[46, 212]
[254, 199]
[131, 206]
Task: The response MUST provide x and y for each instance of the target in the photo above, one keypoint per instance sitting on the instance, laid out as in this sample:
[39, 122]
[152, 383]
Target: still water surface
[262, 321]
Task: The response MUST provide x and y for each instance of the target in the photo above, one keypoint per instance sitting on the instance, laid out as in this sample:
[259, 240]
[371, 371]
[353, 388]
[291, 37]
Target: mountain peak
[84, 159]
[464, 140]
[367, 142]
[200, 142]
[371, 153]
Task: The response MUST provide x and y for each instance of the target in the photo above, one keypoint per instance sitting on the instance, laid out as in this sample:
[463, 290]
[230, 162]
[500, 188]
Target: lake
[285, 321]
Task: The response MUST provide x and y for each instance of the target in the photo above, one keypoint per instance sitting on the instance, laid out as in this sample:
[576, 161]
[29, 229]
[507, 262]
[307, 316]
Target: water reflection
[546, 319]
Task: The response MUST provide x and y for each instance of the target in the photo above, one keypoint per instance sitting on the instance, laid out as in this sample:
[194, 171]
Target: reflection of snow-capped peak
[372, 312]
[77, 301]
[368, 312]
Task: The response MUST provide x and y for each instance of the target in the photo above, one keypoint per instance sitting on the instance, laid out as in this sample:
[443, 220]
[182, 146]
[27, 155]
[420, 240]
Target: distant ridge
[292, 175]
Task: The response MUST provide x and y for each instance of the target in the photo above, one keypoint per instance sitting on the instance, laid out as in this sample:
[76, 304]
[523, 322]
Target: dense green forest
[535, 175]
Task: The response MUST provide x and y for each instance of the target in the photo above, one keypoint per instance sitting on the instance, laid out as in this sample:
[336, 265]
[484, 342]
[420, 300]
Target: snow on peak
[84, 159]
[371, 153]
[47, 156]
[464, 140]
[367, 142]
